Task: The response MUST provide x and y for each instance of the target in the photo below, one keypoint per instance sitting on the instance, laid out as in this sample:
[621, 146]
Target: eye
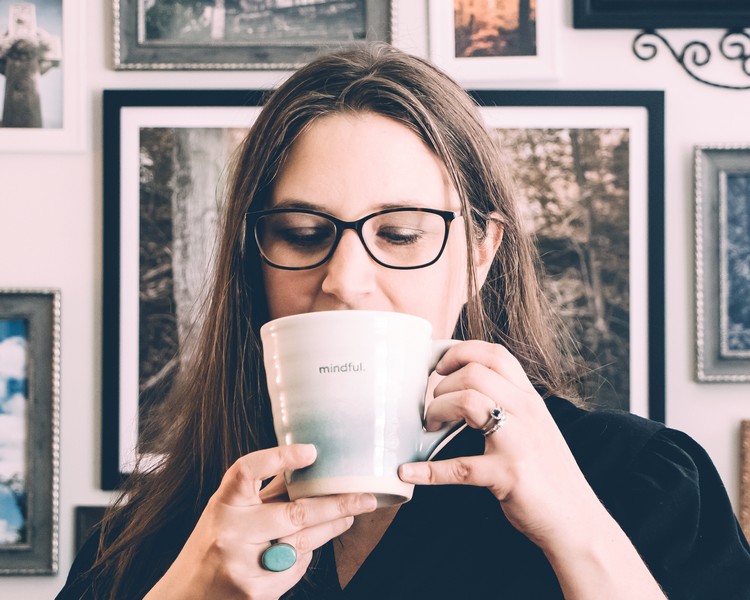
[400, 235]
[304, 237]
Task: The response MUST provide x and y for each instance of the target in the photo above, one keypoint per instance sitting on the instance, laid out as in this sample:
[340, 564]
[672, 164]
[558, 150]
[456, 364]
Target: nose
[350, 272]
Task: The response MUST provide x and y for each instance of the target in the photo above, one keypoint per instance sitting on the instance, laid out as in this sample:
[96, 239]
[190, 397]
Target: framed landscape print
[29, 431]
[491, 42]
[165, 153]
[722, 263]
[589, 168]
[240, 34]
[41, 96]
[650, 14]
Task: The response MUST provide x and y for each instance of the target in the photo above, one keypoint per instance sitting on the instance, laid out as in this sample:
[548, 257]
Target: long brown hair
[218, 409]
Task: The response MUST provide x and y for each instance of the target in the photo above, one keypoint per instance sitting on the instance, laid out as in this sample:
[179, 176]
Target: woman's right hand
[221, 558]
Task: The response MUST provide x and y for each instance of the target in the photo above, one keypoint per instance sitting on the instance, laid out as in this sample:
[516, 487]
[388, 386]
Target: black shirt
[453, 542]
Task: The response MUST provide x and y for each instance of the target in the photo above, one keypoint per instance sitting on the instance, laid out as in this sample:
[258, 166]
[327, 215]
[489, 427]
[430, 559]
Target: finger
[275, 491]
[310, 538]
[468, 470]
[468, 405]
[492, 356]
[275, 520]
[241, 483]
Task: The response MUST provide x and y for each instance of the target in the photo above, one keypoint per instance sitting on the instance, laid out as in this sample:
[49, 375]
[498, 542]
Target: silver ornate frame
[712, 164]
[39, 554]
[129, 53]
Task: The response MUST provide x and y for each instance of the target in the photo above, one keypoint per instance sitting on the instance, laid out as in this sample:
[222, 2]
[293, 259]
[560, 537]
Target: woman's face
[350, 166]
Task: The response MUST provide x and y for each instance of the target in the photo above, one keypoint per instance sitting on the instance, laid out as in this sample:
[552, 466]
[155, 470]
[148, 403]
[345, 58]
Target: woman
[536, 498]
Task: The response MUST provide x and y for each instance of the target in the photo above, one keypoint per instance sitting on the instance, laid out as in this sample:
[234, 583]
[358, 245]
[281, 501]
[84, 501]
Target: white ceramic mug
[353, 383]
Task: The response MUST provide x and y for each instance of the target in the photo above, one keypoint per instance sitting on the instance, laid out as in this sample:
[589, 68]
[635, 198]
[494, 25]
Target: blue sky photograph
[13, 402]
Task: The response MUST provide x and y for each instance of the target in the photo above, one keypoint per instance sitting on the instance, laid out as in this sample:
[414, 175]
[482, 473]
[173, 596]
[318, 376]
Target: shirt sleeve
[78, 584]
[675, 509]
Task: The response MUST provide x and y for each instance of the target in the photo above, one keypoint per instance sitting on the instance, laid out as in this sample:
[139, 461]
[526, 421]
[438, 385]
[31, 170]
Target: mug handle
[432, 439]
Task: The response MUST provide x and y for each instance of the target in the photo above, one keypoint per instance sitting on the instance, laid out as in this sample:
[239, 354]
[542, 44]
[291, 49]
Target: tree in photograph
[574, 191]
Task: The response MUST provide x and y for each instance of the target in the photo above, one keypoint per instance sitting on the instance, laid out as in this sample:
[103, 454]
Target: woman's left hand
[526, 464]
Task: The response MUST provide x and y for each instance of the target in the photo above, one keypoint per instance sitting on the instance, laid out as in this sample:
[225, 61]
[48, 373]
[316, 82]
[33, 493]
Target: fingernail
[309, 451]
[407, 472]
[368, 502]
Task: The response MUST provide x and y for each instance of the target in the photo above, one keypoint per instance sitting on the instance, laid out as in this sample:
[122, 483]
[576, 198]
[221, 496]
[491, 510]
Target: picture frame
[86, 519]
[229, 37]
[30, 430]
[136, 369]
[127, 112]
[631, 313]
[480, 48]
[745, 477]
[722, 197]
[662, 14]
[60, 87]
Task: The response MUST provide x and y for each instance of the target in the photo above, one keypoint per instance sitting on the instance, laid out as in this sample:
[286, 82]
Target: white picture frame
[72, 132]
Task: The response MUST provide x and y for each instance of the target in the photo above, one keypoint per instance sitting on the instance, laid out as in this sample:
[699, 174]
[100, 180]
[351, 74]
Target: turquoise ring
[278, 557]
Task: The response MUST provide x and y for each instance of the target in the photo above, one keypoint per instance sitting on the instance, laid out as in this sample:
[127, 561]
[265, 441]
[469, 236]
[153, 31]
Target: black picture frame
[31, 319]
[661, 14]
[131, 50]
[87, 518]
[573, 106]
[121, 148]
[194, 108]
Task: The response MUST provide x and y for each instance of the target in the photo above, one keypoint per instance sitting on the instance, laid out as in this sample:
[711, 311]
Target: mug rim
[346, 314]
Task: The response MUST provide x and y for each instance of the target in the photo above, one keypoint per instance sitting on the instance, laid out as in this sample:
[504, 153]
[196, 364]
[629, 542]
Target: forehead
[350, 163]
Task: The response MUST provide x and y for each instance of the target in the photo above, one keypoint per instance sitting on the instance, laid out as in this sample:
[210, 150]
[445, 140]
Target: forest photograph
[574, 194]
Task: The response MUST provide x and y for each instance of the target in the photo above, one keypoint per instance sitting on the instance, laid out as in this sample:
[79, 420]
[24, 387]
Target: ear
[485, 251]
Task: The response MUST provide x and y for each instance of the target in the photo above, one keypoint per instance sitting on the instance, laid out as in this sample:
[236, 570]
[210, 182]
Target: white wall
[51, 214]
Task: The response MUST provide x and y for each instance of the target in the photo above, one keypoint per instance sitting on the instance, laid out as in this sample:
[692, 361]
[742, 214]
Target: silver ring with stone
[497, 419]
[278, 557]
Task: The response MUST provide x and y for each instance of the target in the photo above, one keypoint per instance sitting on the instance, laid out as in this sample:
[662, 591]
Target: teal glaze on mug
[353, 383]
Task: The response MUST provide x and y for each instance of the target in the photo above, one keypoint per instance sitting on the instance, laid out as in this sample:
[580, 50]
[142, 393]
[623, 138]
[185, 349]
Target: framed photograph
[722, 262]
[86, 519]
[29, 431]
[589, 171]
[41, 100]
[165, 153]
[652, 14]
[240, 34]
[745, 478]
[493, 42]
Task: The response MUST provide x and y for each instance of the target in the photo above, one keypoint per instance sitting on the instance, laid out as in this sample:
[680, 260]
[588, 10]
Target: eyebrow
[304, 204]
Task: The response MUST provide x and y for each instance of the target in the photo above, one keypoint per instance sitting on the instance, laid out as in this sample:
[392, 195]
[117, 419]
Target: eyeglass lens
[397, 239]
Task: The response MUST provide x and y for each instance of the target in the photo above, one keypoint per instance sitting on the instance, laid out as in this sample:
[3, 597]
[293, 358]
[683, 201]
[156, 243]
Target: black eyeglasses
[397, 238]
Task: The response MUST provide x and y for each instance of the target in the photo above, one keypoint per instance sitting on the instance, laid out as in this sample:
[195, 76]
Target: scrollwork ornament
[733, 46]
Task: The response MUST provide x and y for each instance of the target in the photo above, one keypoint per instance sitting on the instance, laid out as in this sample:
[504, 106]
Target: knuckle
[472, 401]
[296, 513]
[303, 544]
[461, 471]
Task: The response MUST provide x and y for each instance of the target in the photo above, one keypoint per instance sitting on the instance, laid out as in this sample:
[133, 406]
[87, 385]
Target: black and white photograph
[165, 159]
[735, 265]
[29, 431]
[574, 185]
[588, 166]
[31, 85]
[722, 263]
[240, 34]
[495, 40]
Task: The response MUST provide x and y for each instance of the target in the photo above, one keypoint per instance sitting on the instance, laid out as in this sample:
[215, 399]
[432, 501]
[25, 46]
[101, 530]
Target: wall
[51, 214]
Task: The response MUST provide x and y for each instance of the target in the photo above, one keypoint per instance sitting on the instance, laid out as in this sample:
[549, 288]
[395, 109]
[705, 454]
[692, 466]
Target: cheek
[288, 292]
